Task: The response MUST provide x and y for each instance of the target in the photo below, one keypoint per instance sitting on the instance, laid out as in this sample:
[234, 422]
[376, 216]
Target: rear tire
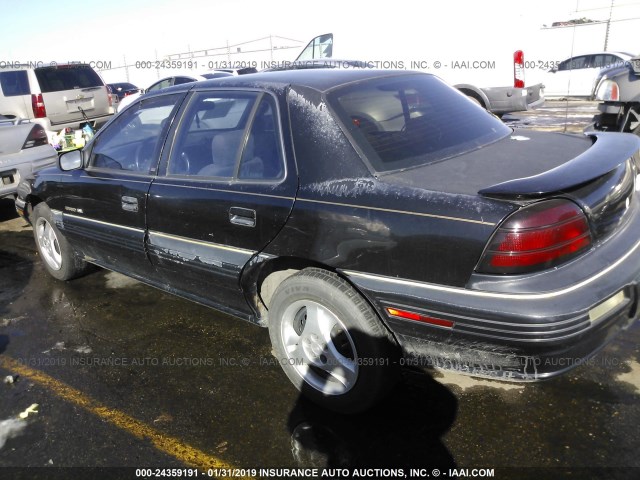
[330, 342]
[59, 258]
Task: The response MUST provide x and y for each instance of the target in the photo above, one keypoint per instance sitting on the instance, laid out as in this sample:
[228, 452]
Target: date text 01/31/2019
[228, 472]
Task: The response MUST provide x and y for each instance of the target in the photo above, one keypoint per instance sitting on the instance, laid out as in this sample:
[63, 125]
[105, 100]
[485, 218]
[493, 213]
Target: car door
[568, 79]
[103, 205]
[583, 78]
[225, 194]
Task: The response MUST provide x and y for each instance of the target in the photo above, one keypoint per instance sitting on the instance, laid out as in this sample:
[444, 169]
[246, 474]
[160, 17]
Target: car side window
[132, 142]
[263, 159]
[212, 134]
[167, 82]
[574, 63]
[604, 60]
[612, 60]
[14, 83]
[229, 135]
[181, 80]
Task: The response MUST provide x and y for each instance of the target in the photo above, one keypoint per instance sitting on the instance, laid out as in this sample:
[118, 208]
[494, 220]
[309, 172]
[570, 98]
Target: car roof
[318, 79]
[620, 54]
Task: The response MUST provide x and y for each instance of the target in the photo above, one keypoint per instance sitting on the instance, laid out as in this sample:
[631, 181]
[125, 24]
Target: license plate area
[84, 103]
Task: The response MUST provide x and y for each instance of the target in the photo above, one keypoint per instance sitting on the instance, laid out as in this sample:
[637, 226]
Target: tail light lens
[109, 96]
[518, 69]
[37, 104]
[608, 91]
[36, 138]
[537, 237]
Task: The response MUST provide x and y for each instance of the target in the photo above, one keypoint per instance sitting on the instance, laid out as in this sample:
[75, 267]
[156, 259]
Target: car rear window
[14, 83]
[413, 120]
[67, 77]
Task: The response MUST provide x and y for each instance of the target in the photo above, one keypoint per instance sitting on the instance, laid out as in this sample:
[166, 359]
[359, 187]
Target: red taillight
[37, 104]
[541, 236]
[37, 137]
[518, 69]
[110, 96]
[394, 312]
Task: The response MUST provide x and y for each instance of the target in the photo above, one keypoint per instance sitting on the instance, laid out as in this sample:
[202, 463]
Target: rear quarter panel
[346, 218]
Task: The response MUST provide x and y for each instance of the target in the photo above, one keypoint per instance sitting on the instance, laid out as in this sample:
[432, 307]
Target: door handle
[244, 217]
[130, 204]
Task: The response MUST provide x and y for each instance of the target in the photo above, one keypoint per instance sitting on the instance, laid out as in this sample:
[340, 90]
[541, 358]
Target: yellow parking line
[172, 446]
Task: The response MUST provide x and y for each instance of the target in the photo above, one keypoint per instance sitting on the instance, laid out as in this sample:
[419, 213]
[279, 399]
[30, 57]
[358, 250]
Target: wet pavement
[124, 375]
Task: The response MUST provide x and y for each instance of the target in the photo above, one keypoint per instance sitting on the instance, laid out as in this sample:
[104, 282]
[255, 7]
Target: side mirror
[553, 70]
[70, 160]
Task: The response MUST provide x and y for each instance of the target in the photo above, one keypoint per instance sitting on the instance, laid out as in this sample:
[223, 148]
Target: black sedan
[370, 219]
[123, 89]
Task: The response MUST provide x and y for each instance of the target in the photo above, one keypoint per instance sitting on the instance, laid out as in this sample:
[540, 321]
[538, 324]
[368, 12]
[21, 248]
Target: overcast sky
[41, 30]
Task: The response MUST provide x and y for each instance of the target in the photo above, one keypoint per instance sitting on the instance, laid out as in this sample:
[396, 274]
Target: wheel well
[31, 202]
[274, 272]
[473, 95]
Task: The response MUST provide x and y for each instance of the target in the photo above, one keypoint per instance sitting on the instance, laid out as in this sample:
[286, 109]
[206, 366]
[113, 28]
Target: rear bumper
[524, 329]
[511, 99]
[21, 208]
[50, 127]
[9, 180]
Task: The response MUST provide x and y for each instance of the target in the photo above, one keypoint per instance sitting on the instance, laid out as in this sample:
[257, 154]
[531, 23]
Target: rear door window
[229, 135]
[575, 63]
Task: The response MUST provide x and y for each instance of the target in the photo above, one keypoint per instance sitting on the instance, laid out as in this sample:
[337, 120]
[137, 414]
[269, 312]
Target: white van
[54, 96]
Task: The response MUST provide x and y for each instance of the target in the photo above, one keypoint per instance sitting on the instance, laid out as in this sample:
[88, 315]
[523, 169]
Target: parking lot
[126, 377]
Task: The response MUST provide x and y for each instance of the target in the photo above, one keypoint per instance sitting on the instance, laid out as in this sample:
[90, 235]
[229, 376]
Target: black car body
[369, 218]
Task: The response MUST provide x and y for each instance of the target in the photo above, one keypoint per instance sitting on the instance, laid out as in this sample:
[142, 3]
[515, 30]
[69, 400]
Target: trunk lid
[607, 153]
[519, 155]
[596, 171]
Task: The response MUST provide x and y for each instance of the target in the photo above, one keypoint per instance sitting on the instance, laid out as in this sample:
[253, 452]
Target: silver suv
[55, 96]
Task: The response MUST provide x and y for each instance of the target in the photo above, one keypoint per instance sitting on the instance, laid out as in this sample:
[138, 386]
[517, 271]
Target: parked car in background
[159, 85]
[498, 86]
[123, 89]
[578, 76]
[368, 218]
[114, 101]
[219, 74]
[233, 71]
[55, 96]
[180, 79]
[24, 149]
[619, 93]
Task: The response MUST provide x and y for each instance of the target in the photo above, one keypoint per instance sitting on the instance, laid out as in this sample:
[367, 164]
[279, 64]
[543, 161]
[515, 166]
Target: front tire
[59, 258]
[330, 342]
